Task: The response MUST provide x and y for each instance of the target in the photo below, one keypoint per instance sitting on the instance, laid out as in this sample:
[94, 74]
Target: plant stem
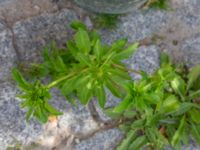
[128, 70]
[54, 83]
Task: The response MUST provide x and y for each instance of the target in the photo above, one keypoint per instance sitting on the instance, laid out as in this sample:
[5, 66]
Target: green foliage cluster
[164, 108]
[160, 109]
[84, 69]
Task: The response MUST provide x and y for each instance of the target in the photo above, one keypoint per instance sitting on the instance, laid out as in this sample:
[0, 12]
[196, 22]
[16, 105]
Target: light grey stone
[7, 52]
[136, 26]
[189, 12]
[35, 33]
[106, 140]
[191, 50]
[13, 127]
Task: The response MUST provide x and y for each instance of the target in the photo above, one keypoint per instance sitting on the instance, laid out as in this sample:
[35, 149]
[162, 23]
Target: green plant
[157, 4]
[160, 109]
[164, 108]
[105, 20]
[84, 69]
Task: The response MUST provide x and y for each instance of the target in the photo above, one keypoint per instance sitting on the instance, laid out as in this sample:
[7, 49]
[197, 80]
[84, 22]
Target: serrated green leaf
[82, 41]
[193, 76]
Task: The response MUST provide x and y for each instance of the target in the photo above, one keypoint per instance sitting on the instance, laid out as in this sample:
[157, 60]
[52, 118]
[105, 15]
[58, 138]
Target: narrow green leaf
[117, 72]
[113, 87]
[118, 45]
[194, 114]
[20, 80]
[78, 25]
[177, 136]
[193, 76]
[129, 114]
[52, 110]
[101, 95]
[184, 107]
[194, 95]
[72, 48]
[170, 104]
[84, 95]
[109, 112]
[42, 117]
[138, 143]
[84, 59]
[29, 113]
[97, 50]
[179, 86]
[82, 41]
[127, 52]
[138, 124]
[195, 130]
[127, 141]
[122, 105]
[69, 86]
[164, 59]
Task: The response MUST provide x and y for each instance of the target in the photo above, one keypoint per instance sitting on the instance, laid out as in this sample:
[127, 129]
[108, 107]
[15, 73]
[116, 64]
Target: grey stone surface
[190, 12]
[136, 26]
[111, 6]
[191, 50]
[7, 52]
[106, 140]
[14, 129]
[181, 25]
[35, 33]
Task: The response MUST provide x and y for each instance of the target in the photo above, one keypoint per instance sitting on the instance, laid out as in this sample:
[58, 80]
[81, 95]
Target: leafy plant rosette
[160, 109]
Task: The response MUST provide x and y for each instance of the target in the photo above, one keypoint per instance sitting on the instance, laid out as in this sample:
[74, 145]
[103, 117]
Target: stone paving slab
[33, 34]
[176, 32]
[7, 52]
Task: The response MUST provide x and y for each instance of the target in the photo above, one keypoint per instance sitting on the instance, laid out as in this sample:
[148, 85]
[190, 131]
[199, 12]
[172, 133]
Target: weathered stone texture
[35, 33]
[7, 52]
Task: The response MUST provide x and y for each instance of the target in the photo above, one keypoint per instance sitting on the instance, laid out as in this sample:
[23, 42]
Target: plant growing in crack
[160, 109]
[84, 69]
